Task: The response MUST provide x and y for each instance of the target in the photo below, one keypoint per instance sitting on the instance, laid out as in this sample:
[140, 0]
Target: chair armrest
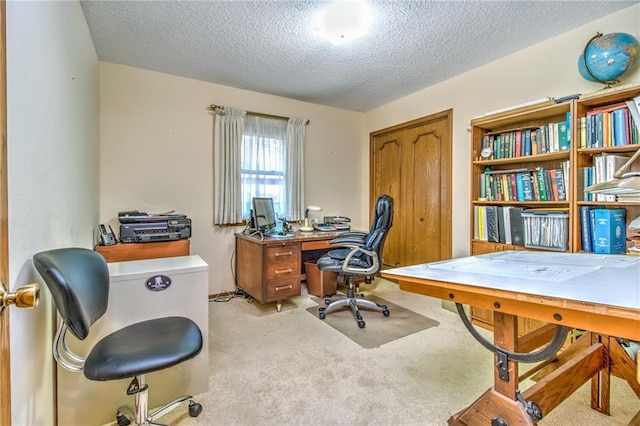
[375, 267]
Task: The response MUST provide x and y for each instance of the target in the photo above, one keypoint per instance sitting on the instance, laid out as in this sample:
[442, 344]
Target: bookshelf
[589, 148]
[524, 168]
[494, 167]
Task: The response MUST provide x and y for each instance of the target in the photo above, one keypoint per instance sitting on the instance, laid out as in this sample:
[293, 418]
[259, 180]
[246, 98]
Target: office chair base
[353, 302]
[140, 416]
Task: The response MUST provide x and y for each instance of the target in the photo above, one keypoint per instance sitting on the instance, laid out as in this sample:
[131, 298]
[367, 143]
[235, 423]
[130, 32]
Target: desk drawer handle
[284, 271]
[289, 253]
[287, 287]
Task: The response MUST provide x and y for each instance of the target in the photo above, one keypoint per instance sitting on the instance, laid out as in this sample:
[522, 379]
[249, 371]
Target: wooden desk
[141, 251]
[270, 269]
[585, 291]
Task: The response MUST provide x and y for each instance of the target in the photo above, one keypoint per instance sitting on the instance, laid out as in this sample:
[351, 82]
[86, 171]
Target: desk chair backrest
[78, 280]
[382, 222]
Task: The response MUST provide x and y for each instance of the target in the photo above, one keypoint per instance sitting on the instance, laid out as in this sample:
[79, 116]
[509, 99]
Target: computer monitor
[263, 214]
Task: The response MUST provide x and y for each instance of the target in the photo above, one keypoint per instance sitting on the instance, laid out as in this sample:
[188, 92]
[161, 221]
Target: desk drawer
[283, 270]
[283, 289]
[285, 254]
[316, 245]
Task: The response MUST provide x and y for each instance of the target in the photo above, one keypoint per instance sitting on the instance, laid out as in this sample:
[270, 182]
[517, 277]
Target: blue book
[519, 187]
[563, 136]
[598, 130]
[569, 128]
[527, 187]
[585, 225]
[562, 193]
[619, 127]
[610, 231]
[527, 142]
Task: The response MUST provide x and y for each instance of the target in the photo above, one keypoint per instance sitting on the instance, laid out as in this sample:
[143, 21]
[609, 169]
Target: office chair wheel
[327, 302]
[361, 324]
[385, 312]
[322, 315]
[122, 420]
[195, 409]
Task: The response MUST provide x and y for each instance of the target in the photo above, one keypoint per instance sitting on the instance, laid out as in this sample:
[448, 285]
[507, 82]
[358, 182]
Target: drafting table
[597, 293]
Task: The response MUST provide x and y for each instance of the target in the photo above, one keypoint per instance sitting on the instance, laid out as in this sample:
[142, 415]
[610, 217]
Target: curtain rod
[213, 107]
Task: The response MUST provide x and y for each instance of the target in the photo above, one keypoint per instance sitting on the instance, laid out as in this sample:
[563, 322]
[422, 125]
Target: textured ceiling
[273, 46]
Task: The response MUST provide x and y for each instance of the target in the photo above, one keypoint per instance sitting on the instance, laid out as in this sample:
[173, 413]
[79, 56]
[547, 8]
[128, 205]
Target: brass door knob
[26, 296]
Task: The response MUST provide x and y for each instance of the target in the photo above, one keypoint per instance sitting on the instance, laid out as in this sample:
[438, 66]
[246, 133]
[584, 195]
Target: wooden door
[386, 153]
[412, 163]
[5, 373]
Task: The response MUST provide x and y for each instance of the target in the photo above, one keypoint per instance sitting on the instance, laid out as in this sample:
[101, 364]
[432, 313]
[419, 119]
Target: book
[610, 232]
[515, 216]
[506, 219]
[611, 164]
[501, 223]
[527, 186]
[585, 228]
[620, 126]
[491, 224]
[542, 188]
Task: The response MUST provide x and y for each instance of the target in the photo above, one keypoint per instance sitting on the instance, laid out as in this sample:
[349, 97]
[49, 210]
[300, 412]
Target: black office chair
[78, 279]
[359, 258]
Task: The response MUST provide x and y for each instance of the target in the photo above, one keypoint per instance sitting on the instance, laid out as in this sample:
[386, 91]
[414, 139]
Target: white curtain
[264, 161]
[296, 133]
[228, 131]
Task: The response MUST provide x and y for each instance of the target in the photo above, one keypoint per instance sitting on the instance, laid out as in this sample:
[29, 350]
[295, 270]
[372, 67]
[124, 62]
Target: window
[263, 162]
[257, 156]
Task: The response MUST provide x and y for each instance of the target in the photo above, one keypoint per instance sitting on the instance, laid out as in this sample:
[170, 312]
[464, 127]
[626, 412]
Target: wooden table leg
[601, 382]
[501, 400]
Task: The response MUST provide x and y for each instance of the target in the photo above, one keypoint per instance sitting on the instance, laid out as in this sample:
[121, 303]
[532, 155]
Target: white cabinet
[84, 402]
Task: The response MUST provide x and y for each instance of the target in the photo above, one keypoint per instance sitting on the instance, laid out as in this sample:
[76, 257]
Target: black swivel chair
[359, 258]
[78, 280]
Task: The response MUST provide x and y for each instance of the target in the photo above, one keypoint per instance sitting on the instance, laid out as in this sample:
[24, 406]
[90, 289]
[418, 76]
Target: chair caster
[327, 302]
[122, 420]
[385, 312]
[195, 409]
[321, 313]
[361, 324]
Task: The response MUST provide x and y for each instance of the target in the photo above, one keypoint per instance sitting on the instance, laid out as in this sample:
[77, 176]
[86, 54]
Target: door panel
[388, 154]
[425, 179]
[412, 163]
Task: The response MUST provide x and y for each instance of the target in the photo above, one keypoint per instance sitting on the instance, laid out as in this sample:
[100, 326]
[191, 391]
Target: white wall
[546, 69]
[156, 136]
[52, 97]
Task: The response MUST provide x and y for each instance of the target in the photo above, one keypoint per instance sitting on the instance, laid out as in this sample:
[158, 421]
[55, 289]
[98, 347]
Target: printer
[141, 227]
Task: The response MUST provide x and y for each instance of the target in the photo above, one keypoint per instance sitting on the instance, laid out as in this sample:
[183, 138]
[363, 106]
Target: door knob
[26, 296]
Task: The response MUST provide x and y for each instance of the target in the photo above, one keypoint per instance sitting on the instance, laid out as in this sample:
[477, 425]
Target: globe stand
[590, 74]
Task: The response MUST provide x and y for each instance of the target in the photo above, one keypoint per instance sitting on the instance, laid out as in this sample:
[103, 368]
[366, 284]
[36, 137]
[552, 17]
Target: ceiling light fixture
[344, 20]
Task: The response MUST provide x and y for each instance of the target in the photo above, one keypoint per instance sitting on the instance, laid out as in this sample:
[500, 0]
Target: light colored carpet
[379, 329]
[288, 368]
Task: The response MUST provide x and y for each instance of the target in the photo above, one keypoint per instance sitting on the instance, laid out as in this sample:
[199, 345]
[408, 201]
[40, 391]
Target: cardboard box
[320, 283]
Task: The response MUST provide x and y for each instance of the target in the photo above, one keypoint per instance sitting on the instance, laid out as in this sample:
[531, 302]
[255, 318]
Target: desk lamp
[307, 227]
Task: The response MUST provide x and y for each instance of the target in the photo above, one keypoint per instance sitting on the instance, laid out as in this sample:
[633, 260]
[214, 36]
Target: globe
[609, 58]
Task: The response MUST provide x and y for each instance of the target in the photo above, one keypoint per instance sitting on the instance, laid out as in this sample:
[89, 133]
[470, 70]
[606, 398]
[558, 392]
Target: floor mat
[379, 329]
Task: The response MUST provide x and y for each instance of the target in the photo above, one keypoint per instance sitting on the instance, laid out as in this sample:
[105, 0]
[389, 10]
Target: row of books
[552, 137]
[533, 228]
[607, 127]
[603, 231]
[539, 184]
[603, 169]
[498, 224]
